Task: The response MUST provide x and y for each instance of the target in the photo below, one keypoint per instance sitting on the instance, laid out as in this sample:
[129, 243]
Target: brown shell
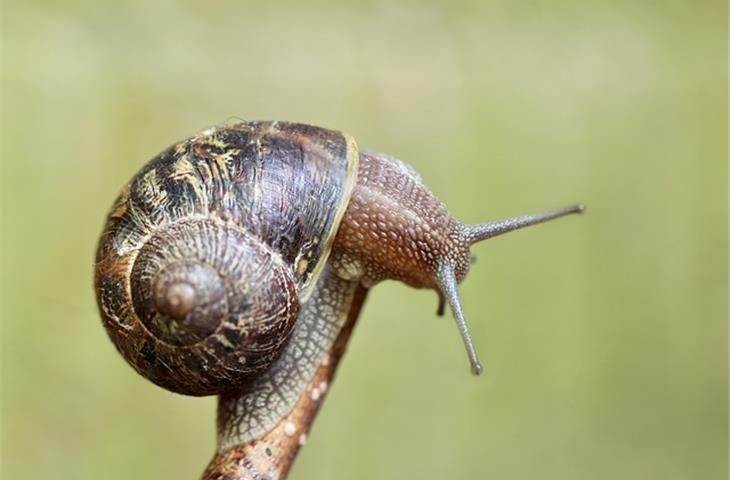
[210, 250]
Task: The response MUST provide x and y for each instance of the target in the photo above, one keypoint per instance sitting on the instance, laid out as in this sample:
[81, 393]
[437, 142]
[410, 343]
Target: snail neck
[395, 229]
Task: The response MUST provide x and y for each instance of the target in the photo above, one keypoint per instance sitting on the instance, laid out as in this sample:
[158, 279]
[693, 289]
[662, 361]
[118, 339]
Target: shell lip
[353, 162]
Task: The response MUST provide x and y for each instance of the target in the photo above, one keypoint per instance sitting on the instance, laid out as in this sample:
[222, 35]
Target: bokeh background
[604, 336]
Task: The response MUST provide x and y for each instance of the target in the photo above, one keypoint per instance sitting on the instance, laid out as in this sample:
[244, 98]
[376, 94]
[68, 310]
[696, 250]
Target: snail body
[228, 264]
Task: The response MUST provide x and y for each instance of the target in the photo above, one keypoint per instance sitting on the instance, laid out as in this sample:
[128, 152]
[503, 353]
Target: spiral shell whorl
[214, 307]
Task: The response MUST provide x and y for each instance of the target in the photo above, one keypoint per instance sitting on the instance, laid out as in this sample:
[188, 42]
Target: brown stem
[272, 455]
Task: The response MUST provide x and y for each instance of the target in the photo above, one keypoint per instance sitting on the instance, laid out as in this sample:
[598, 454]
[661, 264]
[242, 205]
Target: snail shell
[211, 250]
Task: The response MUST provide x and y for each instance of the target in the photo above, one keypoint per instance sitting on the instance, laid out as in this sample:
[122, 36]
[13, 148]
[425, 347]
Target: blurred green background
[604, 336]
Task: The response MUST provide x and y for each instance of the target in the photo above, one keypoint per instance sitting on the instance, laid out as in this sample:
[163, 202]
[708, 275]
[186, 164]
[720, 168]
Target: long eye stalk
[479, 232]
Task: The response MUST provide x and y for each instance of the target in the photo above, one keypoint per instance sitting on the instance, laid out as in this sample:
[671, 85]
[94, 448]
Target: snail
[229, 264]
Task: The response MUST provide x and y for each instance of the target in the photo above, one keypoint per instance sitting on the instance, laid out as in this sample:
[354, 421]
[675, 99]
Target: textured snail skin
[396, 229]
